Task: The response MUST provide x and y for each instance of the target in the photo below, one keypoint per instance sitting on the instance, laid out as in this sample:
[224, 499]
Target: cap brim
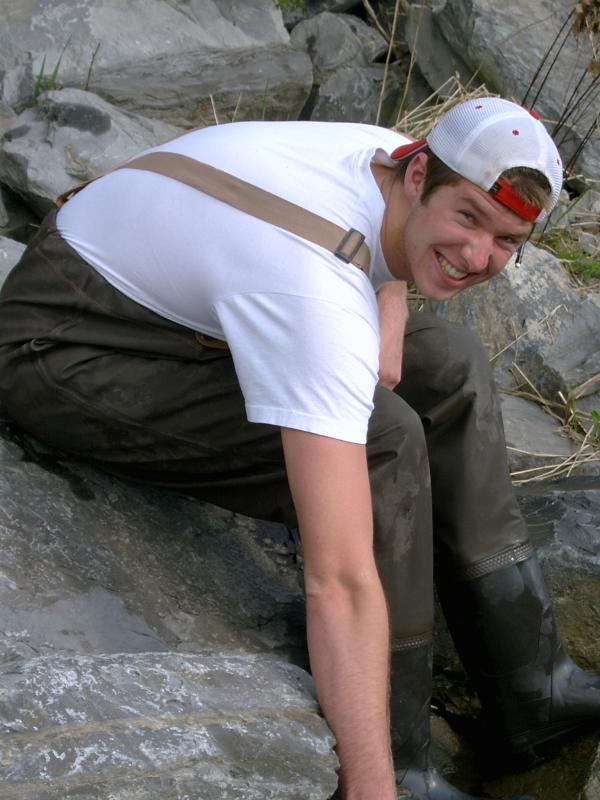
[407, 149]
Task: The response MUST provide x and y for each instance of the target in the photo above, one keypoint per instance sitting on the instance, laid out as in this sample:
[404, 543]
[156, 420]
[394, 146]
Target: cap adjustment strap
[504, 193]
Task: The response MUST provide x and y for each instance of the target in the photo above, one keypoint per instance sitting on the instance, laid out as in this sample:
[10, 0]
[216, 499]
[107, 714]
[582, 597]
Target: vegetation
[596, 421]
[291, 5]
[564, 243]
[45, 83]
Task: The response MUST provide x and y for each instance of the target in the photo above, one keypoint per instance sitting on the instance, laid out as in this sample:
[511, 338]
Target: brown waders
[86, 370]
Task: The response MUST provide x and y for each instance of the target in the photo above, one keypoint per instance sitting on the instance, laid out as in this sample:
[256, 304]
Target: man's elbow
[342, 588]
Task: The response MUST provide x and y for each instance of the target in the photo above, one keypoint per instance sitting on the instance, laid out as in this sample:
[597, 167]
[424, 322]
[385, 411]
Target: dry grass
[572, 422]
[418, 121]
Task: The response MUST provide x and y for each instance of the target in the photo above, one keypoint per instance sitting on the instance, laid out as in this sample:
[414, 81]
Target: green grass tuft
[46, 83]
[596, 423]
[564, 246]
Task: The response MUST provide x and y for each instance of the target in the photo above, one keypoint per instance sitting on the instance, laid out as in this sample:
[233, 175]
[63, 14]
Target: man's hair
[530, 184]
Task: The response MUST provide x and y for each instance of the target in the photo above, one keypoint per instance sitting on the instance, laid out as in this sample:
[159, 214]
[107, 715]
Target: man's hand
[393, 314]
[347, 621]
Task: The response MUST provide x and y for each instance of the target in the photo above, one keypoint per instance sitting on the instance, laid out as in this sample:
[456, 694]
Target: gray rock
[348, 84]
[434, 56]
[351, 94]
[69, 137]
[534, 440]
[293, 11]
[140, 726]
[7, 116]
[163, 59]
[10, 253]
[337, 40]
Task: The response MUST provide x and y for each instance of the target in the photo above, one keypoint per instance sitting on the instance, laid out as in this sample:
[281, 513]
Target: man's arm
[347, 621]
[393, 314]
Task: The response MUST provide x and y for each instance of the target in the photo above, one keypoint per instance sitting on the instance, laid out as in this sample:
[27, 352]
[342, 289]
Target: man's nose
[478, 252]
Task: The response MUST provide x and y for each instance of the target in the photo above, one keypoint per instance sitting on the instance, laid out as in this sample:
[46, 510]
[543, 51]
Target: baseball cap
[481, 138]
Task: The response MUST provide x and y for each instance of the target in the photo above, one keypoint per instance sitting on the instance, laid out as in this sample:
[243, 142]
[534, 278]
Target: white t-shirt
[301, 324]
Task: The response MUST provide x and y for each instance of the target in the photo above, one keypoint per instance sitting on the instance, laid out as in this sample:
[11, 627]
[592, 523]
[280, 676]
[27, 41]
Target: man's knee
[448, 353]
[395, 433]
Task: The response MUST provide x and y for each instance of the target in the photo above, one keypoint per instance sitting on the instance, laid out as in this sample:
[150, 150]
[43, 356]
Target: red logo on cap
[516, 132]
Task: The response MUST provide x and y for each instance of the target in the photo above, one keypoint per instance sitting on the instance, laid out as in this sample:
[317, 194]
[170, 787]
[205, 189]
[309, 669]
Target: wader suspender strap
[348, 245]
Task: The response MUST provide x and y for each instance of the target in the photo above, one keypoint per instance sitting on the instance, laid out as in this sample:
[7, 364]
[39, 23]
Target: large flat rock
[175, 725]
[178, 61]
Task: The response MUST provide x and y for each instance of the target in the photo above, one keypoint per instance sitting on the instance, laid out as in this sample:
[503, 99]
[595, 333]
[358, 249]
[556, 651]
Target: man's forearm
[348, 630]
[348, 637]
[393, 314]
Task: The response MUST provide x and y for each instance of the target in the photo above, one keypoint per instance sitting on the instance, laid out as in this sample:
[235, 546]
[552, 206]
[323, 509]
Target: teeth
[449, 270]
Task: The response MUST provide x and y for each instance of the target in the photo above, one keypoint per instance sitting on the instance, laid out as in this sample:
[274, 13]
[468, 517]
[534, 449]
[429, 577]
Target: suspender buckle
[349, 245]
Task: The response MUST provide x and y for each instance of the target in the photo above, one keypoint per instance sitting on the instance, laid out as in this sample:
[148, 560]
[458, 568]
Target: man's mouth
[449, 270]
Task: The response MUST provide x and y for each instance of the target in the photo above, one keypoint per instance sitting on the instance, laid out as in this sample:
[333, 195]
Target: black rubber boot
[533, 696]
[410, 732]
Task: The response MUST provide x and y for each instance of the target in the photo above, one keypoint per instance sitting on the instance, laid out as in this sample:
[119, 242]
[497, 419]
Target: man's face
[459, 237]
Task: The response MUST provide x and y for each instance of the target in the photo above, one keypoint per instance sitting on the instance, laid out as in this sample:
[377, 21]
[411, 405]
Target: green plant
[596, 423]
[562, 242]
[45, 83]
[291, 5]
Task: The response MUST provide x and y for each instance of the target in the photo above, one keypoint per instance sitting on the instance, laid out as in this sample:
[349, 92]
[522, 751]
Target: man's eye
[468, 215]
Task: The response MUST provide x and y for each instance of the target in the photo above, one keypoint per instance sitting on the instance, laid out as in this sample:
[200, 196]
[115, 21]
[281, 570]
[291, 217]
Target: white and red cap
[481, 138]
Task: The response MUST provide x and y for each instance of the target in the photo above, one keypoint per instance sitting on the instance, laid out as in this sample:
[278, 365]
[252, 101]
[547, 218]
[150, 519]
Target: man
[104, 353]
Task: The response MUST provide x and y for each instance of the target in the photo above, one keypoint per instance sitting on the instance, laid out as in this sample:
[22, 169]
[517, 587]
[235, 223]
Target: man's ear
[414, 177]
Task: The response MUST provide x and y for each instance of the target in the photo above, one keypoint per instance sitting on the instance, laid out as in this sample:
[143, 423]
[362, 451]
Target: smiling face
[458, 237]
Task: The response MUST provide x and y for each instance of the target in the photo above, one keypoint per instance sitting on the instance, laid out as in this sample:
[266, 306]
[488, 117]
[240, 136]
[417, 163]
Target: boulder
[351, 94]
[171, 60]
[293, 11]
[70, 136]
[536, 443]
[347, 84]
[163, 724]
[337, 40]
